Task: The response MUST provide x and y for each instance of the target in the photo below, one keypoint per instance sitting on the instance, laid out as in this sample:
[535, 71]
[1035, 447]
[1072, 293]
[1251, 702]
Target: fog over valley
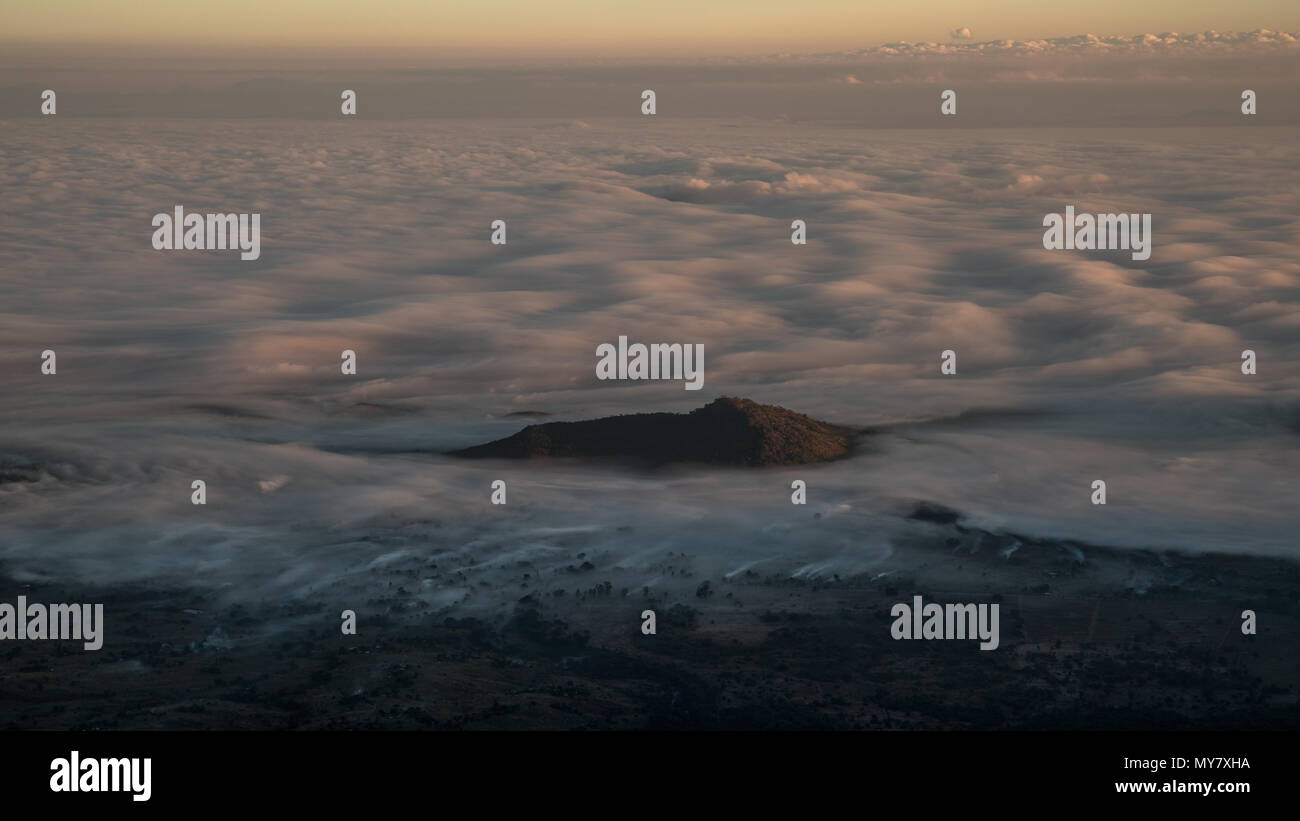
[1071, 365]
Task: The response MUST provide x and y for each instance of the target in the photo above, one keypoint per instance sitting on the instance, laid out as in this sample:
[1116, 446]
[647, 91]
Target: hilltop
[727, 431]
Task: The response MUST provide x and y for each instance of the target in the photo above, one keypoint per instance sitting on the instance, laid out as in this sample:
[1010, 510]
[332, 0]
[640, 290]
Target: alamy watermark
[1103, 232]
[654, 361]
[208, 232]
[61, 622]
[946, 621]
[75, 774]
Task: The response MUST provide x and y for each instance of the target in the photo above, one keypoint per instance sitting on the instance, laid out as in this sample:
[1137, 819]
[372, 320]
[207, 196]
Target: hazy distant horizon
[514, 29]
[1260, 40]
[997, 91]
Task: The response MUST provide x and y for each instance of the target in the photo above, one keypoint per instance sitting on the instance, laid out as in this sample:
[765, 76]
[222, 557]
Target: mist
[1071, 366]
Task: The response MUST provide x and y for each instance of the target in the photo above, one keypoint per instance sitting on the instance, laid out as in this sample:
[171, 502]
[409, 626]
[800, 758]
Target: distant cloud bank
[1089, 44]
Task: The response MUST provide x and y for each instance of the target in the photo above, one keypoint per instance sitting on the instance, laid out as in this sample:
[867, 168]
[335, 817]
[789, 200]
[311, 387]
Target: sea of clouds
[1072, 366]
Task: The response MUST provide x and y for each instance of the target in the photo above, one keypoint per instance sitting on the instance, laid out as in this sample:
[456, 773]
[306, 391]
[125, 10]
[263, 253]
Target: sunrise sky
[605, 28]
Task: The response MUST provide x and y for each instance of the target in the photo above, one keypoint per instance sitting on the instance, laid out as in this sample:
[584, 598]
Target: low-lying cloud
[375, 239]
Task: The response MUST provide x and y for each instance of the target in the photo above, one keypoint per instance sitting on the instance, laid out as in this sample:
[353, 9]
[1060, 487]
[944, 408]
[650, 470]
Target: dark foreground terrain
[1090, 639]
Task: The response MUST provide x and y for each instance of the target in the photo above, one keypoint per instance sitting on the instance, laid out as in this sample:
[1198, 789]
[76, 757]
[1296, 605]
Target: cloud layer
[1207, 42]
[1072, 366]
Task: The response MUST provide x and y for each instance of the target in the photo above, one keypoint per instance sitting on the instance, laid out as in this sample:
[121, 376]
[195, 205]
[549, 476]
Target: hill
[727, 431]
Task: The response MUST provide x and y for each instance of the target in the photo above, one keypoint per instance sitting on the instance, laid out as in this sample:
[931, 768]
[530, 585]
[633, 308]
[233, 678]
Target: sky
[604, 28]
